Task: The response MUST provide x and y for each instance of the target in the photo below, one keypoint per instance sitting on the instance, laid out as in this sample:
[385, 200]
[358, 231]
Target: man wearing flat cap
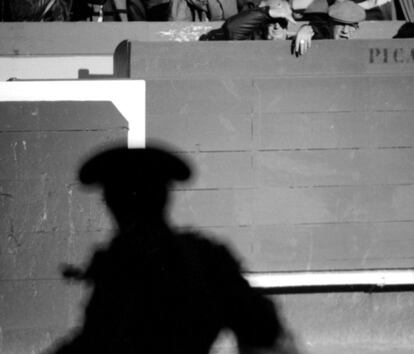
[341, 22]
[156, 290]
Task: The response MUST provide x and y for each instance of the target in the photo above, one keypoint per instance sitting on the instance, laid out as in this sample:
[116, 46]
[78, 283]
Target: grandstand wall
[303, 164]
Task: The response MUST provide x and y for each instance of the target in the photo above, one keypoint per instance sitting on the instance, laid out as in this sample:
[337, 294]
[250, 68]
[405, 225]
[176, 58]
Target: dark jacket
[246, 25]
[320, 23]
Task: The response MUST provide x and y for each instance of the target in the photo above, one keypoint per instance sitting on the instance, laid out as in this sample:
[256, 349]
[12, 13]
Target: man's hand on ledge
[303, 40]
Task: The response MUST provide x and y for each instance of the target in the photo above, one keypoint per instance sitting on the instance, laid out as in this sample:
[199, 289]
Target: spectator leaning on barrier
[341, 23]
[267, 21]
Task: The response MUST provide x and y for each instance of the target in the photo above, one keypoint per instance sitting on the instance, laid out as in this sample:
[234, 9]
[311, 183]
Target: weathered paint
[308, 158]
[346, 162]
[45, 218]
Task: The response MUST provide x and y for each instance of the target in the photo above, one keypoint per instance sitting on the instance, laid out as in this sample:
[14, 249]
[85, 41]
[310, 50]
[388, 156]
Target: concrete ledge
[70, 38]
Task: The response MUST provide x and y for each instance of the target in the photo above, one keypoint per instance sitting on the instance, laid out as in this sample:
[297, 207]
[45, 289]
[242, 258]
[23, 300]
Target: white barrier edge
[332, 278]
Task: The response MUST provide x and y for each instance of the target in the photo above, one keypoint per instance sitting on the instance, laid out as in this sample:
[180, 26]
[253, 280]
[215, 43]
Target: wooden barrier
[80, 38]
[46, 219]
[303, 163]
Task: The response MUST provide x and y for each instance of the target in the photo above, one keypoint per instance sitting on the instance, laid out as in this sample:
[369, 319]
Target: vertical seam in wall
[256, 111]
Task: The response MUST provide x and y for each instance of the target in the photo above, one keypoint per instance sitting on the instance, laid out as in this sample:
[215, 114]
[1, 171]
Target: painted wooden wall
[304, 163]
[46, 219]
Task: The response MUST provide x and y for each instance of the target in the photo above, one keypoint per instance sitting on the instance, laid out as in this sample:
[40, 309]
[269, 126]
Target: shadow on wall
[155, 290]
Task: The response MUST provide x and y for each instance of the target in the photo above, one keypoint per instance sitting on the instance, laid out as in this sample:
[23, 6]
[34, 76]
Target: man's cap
[346, 12]
[280, 8]
[123, 167]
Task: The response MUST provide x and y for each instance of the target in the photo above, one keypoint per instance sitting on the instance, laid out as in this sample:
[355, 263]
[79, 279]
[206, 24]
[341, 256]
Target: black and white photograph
[206, 176]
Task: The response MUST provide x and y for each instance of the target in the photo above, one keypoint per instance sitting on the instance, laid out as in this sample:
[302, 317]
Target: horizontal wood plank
[331, 130]
[299, 168]
[335, 94]
[313, 247]
[21, 251]
[46, 205]
[335, 246]
[270, 206]
[357, 96]
[310, 168]
[201, 131]
[60, 116]
[51, 155]
[268, 59]
[220, 170]
[202, 98]
[334, 204]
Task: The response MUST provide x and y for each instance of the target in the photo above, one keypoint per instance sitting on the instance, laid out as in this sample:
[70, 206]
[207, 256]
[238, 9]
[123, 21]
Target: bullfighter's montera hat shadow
[127, 167]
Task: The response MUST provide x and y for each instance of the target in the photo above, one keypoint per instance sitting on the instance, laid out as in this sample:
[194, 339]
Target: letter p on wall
[378, 55]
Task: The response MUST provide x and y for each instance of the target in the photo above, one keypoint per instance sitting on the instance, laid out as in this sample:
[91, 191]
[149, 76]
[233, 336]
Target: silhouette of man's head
[134, 181]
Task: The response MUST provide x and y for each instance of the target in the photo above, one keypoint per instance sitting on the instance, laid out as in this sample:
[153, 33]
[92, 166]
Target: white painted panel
[380, 278]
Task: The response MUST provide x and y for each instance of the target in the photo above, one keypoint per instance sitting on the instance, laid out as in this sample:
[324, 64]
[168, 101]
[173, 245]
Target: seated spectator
[375, 9]
[147, 10]
[268, 21]
[132, 10]
[341, 23]
[36, 10]
[202, 10]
